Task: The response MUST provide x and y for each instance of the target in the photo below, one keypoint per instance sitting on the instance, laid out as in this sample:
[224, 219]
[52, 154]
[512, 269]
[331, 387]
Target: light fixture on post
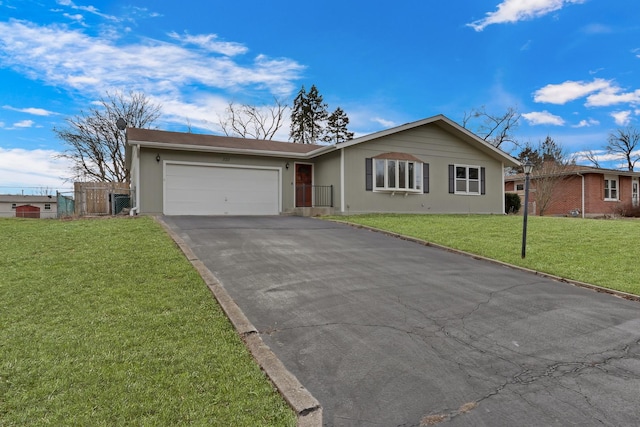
[527, 167]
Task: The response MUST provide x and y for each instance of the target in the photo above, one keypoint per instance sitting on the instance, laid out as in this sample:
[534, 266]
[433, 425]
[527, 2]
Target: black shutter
[425, 177]
[368, 174]
[482, 180]
[452, 180]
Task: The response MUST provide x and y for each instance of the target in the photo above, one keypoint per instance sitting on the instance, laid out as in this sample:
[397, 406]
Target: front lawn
[105, 323]
[601, 252]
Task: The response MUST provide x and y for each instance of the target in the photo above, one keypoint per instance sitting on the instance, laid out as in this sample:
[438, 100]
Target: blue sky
[569, 66]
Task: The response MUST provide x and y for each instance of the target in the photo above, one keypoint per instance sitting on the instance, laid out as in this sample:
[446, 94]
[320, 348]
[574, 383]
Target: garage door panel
[218, 190]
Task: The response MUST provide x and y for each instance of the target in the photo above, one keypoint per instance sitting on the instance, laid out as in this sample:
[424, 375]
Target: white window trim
[607, 180]
[467, 180]
[417, 177]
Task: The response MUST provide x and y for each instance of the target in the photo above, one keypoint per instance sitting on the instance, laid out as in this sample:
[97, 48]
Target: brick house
[581, 191]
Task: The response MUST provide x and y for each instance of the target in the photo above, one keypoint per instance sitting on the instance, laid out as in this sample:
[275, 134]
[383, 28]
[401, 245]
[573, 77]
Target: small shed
[27, 211]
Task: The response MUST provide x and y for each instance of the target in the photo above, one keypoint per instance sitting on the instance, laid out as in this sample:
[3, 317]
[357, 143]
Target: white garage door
[217, 190]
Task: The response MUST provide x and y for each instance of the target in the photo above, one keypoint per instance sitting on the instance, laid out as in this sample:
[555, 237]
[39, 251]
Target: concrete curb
[306, 407]
[596, 288]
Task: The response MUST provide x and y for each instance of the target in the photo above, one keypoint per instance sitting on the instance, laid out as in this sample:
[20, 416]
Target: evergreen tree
[299, 117]
[336, 130]
[308, 116]
[317, 116]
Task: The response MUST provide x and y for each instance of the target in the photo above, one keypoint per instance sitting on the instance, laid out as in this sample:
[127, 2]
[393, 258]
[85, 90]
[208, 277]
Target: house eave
[223, 150]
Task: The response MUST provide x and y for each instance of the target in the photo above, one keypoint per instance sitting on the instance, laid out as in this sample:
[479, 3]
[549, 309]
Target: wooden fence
[93, 198]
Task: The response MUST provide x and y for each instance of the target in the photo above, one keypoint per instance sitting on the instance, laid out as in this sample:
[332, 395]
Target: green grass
[600, 252]
[105, 323]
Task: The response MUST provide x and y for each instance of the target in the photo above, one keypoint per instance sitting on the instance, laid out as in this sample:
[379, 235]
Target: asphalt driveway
[387, 332]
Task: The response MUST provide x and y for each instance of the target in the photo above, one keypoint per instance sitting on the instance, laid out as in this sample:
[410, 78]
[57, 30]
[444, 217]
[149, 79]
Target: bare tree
[625, 143]
[496, 129]
[250, 121]
[550, 165]
[545, 180]
[592, 157]
[94, 142]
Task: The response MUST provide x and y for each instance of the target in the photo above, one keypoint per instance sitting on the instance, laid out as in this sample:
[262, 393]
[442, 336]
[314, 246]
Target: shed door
[220, 190]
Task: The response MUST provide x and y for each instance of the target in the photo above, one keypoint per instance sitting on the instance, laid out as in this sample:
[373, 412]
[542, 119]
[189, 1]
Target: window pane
[614, 194]
[412, 173]
[473, 173]
[402, 174]
[418, 176]
[461, 185]
[391, 172]
[461, 172]
[614, 184]
[380, 173]
[474, 187]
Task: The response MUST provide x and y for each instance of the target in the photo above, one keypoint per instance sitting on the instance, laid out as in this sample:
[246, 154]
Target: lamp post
[528, 167]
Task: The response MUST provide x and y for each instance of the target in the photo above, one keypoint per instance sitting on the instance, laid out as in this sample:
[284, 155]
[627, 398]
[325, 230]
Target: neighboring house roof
[572, 170]
[17, 198]
[200, 142]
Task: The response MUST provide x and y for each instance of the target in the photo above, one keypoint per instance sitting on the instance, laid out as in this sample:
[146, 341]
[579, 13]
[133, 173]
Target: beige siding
[439, 149]
[151, 173]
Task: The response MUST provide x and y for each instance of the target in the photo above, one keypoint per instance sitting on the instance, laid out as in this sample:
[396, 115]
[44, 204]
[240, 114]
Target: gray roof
[18, 198]
[572, 170]
[201, 142]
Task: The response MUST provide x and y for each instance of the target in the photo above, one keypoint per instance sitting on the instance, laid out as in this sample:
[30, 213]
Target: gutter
[225, 150]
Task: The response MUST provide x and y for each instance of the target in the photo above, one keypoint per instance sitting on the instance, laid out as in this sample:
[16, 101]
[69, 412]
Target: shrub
[512, 203]
[628, 210]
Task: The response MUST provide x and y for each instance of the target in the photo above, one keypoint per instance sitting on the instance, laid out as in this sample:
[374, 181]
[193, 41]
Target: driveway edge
[596, 288]
[306, 407]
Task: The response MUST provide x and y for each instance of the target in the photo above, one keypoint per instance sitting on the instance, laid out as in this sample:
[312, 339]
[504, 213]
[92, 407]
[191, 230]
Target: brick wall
[567, 195]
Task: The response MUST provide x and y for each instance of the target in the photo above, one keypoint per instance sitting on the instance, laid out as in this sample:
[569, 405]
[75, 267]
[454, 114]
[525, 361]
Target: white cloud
[91, 9]
[21, 168]
[598, 93]
[210, 43]
[520, 10]
[23, 124]
[613, 96]
[622, 118]
[34, 111]
[77, 17]
[71, 59]
[569, 91]
[587, 123]
[543, 118]
[384, 122]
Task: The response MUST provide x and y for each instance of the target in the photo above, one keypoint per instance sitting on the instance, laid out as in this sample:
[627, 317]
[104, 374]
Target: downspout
[504, 207]
[342, 197]
[582, 197]
[135, 161]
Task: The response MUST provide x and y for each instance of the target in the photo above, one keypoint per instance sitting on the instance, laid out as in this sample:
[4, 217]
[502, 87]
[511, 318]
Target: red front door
[304, 190]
